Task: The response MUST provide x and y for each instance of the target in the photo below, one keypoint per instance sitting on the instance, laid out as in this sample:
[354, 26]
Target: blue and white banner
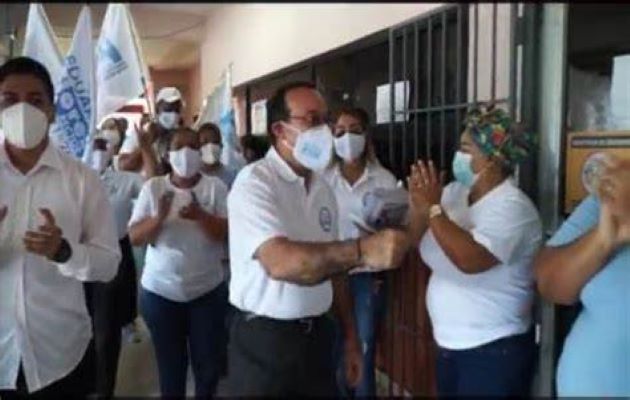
[75, 93]
[219, 109]
[120, 71]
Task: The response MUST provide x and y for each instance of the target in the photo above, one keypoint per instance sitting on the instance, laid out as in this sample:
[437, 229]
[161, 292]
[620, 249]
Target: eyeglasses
[312, 119]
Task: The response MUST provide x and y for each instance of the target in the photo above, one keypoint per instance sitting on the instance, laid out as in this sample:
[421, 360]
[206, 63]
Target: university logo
[73, 109]
[325, 219]
[110, 61]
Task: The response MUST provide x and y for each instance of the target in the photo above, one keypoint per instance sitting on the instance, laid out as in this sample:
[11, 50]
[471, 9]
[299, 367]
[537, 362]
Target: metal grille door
[439, 65]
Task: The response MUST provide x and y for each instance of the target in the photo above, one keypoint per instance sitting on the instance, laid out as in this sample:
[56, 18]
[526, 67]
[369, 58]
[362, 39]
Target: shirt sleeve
[137, 183]
[143, 206]
[503, 228]
[220, 199]
[583, 219]
[253, 215]
[95, 257]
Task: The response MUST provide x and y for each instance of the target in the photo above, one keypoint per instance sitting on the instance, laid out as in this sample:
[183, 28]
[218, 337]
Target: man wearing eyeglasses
[288, 267]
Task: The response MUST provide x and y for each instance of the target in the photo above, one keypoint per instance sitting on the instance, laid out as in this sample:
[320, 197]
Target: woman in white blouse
[182, 218]
[479, 237]
[355, 172]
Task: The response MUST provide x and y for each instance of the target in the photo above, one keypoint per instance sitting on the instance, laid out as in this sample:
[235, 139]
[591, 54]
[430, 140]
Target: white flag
[40, 43]
[120, 72]
[75, 94]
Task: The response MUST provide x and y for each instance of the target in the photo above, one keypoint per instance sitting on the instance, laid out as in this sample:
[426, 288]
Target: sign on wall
[259, 117]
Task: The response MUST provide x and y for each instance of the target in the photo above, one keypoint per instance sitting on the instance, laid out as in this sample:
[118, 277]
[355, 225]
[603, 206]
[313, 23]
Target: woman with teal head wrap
[479, 236]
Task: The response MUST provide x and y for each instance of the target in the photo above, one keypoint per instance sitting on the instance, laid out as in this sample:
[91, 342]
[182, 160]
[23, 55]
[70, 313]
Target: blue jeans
[501, 368]
[369, 295]
[179, 330]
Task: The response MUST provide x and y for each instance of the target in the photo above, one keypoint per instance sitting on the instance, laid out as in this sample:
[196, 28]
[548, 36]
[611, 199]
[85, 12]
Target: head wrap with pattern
[497, 135]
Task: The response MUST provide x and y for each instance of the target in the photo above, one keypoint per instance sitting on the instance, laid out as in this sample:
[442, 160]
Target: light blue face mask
[462, 169]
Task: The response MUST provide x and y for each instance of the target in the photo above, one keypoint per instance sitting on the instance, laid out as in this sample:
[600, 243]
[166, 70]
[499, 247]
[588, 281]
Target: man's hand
[164, 205]
[353, 362]
[46, 241]
[384, 250]
[3, 212]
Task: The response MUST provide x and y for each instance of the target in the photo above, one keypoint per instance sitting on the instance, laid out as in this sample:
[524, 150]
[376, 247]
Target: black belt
[305, 324]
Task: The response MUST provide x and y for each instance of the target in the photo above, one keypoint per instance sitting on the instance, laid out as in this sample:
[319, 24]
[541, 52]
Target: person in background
[355, 172]
[137, 154]
[114, 130]
[285, 259]
[169, 107]
[183, 297]
[479, 236]
[57, 231]
[113, 304]
[211, 147]
[253, 148]
[588, 261]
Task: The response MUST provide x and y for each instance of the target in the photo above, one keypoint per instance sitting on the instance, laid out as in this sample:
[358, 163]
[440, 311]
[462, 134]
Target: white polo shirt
[469, 310]
[350, 197]
[269, 200]
[183, 263]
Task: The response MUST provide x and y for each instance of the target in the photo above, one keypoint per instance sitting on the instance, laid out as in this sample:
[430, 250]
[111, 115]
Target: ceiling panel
[170, 34]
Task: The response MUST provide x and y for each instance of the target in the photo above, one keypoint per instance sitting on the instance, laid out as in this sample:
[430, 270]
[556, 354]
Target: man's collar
[49, 157]
[281, 166]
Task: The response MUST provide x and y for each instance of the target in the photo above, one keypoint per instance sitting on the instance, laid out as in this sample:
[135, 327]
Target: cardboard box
[581, 146]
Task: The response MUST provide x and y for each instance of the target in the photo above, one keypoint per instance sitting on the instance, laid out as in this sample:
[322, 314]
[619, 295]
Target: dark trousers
[112, 305]
[192, 329]
[78, 384]
[369, 296]
[501, 368]
[268, 357]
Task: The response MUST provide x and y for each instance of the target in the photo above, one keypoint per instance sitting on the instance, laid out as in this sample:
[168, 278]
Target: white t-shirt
[122, 188]
[268, 200]
[350, 198]
[469, 310]
[183, 263]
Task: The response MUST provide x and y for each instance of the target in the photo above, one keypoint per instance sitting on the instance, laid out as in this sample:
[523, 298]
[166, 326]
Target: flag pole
[145, 88]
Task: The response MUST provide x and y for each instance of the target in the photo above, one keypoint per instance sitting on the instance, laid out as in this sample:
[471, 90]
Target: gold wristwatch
[435, 210]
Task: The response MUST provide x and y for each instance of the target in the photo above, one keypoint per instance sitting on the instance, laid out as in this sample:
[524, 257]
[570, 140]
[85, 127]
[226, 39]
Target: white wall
[261, 38]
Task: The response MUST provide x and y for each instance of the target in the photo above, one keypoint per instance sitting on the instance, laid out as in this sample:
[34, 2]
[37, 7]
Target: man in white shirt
[286, 257]
[57, 230]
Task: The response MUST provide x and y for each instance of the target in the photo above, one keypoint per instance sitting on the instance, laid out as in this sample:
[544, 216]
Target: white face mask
[313, 147]
[350, 146]
[186, 162]
[211, 153]
[100, 160]
[169, 119]
[24, 125]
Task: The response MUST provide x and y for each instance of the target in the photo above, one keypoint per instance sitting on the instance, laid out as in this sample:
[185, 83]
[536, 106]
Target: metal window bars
[452, 58]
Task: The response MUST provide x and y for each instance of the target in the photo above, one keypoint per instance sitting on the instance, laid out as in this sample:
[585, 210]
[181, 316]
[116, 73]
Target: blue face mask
[462, 169]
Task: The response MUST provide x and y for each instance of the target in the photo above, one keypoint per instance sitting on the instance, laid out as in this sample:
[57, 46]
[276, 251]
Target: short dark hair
[211, 126]
[356, 112]
[277, 106]
[28, 66]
